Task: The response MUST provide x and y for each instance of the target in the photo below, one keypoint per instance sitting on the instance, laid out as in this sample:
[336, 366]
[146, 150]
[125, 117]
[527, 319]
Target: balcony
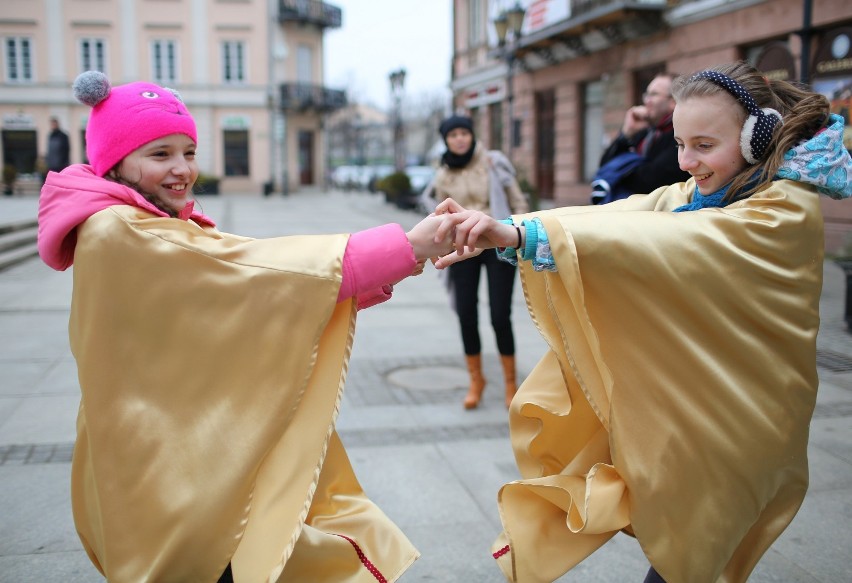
[309, 12]
[591, 26]
[305, 97]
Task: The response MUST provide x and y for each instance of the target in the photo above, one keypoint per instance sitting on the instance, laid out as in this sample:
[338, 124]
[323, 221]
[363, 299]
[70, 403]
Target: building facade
[250, 71]
[554, 96]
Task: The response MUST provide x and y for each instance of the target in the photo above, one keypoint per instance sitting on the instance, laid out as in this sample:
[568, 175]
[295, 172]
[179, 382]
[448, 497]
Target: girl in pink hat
[211, 366]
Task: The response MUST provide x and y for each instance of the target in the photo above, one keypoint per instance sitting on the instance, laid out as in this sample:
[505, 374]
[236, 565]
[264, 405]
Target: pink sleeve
[374, 260]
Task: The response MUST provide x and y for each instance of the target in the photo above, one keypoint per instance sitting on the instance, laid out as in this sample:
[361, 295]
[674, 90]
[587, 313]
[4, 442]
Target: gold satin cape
[211, 368]
[680, 379]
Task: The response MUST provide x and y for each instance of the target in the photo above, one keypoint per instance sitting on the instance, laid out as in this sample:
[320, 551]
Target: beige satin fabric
[211, 368]
[675, 399]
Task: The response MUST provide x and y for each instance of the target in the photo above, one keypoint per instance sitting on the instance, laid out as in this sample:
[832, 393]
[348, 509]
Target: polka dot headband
[758, 128]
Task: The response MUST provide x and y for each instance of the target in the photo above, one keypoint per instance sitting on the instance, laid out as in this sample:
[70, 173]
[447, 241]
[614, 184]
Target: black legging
[653, 577]
[501, 281]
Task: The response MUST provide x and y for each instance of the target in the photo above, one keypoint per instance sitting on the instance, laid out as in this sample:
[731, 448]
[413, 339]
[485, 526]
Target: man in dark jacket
[58, 148]
[647, 131]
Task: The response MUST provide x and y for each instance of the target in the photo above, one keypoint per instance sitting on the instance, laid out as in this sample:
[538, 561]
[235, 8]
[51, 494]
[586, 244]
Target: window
[304, 64]
[19, 66]
[92, 55]
[594, 135]
[474, 23]
[236, 152]
[164, 61]
[495, 113]
[233, 62]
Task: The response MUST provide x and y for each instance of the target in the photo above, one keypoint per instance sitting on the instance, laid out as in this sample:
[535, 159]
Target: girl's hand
[472, 230]
[426, 240]
[418, 268]
[450, 258]
[448, 205]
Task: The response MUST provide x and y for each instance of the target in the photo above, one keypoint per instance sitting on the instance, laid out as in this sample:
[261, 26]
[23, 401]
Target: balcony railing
[613, 21]
[304, 96]
[310, 11]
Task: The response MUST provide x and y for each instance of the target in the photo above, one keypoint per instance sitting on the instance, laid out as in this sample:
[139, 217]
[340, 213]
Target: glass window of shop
[236, 152]
[832, 75]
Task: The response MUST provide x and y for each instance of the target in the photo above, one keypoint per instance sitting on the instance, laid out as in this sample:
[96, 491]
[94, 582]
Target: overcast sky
[380, 36]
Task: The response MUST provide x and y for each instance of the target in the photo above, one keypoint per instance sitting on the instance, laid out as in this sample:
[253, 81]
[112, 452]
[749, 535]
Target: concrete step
[18, 242]
[12, 226]
[14, 239]
[17, 255]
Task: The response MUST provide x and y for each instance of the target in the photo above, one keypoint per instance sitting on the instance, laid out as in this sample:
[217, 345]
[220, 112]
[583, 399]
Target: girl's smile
[165, 168]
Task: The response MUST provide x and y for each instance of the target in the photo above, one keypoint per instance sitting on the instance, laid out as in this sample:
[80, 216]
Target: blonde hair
[803, 112]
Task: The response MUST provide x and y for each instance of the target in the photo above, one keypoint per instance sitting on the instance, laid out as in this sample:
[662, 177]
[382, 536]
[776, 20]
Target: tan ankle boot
[509, 374]
[477, 381]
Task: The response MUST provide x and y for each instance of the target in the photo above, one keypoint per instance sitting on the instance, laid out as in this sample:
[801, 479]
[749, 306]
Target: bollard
[846, 266]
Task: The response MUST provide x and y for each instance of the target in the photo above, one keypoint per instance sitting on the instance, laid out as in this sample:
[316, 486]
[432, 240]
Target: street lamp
[397, 81]
[509, 20]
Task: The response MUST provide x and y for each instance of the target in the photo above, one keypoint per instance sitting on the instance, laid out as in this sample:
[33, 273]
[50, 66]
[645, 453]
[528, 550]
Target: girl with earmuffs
[675, 398]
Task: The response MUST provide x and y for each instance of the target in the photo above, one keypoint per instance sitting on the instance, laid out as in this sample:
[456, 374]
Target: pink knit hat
[127, 117]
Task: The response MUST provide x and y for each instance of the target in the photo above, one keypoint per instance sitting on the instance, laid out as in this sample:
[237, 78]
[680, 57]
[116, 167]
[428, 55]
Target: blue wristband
[532, 241]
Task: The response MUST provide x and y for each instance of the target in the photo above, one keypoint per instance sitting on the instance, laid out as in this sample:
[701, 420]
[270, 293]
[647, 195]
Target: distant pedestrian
[676, 396]
[643, 157]
[58, 148]
[484, 180]
[211, 366]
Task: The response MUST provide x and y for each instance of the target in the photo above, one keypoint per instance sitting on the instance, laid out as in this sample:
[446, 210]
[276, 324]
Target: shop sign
[236, 122]
[484, 94]
[834, 56]
[777, 62]
[18, 121]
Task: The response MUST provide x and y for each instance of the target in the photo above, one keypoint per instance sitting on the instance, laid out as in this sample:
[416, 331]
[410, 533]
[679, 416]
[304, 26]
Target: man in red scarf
[647, 131]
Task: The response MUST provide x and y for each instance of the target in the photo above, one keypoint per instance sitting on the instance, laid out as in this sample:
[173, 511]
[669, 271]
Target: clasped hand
[453, 233]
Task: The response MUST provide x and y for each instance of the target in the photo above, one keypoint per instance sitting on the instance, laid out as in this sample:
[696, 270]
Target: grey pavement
[432, 466]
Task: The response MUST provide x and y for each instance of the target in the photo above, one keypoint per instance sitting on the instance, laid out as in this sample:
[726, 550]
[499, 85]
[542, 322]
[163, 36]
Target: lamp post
[397, 81]
[509, 20]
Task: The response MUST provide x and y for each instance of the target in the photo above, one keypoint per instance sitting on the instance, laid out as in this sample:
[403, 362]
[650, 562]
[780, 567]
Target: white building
[250, 71]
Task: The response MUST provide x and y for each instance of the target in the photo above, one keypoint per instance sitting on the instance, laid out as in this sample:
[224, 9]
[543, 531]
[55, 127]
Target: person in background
[643, 157]
[211, 366]
[483, 180]
[58, 148]
[675, 399]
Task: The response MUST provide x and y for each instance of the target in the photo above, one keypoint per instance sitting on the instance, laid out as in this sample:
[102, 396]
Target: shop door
[20, 150]
[545, 107]
[306, 157]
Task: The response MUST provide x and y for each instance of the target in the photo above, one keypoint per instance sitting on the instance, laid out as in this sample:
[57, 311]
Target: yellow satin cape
[675, 398]
[211, 368]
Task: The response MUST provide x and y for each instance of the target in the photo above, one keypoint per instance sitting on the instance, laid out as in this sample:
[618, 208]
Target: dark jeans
[501, 281]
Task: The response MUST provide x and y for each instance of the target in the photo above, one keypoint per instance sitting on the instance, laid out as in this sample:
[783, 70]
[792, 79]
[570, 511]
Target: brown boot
[509, 374]
[477, 381]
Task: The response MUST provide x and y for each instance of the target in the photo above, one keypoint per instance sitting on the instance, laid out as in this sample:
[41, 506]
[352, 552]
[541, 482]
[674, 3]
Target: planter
[205, 185]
